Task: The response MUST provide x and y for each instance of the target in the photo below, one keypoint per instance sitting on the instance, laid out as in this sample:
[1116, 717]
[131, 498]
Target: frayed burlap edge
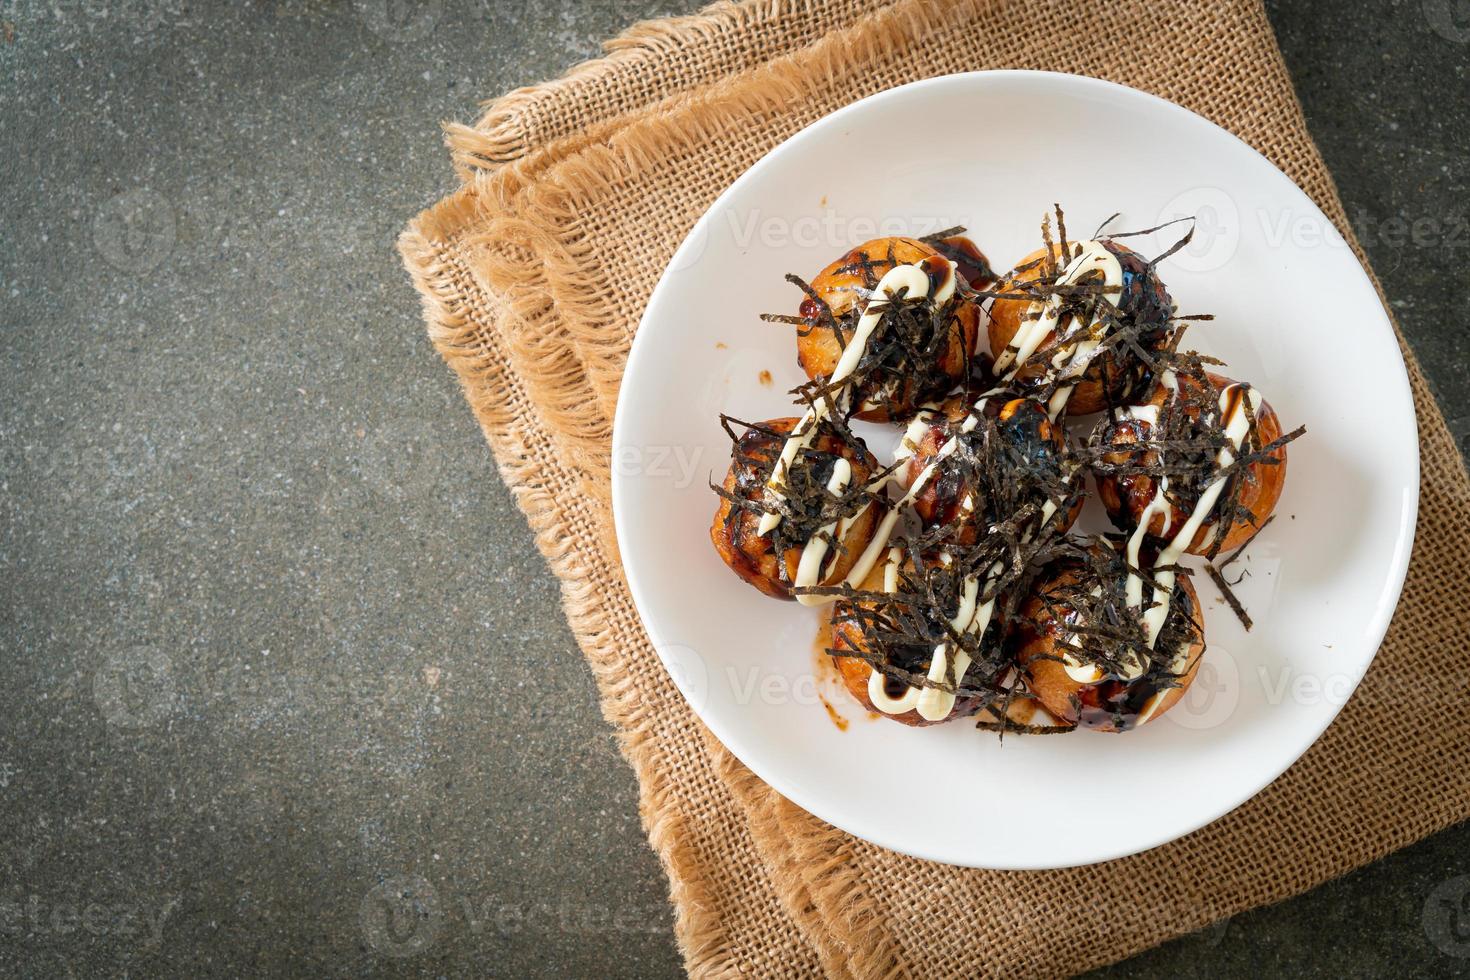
[650, 61]
[471, 346]
[810, 886]
[768, 836]
[523, 265]
[543, 264]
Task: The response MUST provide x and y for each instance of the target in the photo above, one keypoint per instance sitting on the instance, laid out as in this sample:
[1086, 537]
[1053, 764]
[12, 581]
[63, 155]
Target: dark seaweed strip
[1229, 559]
[1229, 595]
[826, 318]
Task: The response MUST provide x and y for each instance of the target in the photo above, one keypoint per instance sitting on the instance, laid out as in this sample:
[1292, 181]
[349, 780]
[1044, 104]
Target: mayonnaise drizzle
[877, 690]
[932, 703]
[814, 555]
[914, 282]
[1042, 318]
[1237, 425]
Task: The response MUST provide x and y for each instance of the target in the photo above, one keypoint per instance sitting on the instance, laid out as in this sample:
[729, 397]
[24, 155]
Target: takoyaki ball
[1092, 682]
[1010, 456]
[1116, 376]
[868, 627]
[907, 361]
[770, 561]
[1247, 499]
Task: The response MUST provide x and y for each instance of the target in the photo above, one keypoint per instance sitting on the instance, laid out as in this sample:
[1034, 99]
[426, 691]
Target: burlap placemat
[649, 63]
[534, 276]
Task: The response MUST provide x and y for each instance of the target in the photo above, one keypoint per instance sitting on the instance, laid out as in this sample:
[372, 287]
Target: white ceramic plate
[1296, 316]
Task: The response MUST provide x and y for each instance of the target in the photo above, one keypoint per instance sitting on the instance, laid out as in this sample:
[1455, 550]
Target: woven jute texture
[534, 276]
[649, 63]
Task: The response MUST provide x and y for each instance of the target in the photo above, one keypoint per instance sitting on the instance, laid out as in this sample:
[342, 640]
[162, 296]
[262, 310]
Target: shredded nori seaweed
[1184, 445]
[903, 362]
[998, 467]
[1230, 597]
[804, 503]
[1001, 541]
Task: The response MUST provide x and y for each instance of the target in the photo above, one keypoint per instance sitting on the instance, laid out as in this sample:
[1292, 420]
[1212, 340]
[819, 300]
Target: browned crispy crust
[819, 350]
[940, 501]
[1108, 377]
[1127, 497]
[751, 555]
[1037, 641]
[855, 671]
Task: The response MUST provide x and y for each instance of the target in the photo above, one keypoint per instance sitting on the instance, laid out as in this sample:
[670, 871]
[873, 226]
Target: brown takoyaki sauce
[903, 361]
[805, 503]
[974, 267]
[1008, 459]
[1182, 443]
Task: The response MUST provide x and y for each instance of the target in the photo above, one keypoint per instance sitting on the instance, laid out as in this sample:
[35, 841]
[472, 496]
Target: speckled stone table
[278, 651]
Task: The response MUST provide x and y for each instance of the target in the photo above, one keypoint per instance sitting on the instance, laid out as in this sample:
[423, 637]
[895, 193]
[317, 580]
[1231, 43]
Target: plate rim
[1378, 625]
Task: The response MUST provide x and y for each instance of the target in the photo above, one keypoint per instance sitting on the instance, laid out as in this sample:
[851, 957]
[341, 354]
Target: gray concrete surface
[278, 653]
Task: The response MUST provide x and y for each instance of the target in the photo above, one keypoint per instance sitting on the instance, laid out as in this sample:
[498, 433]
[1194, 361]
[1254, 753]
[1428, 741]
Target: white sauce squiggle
[814, 555]
[1042, 318]
[914, 282]
[932, 703]
[1161, 589]
[877, 690]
